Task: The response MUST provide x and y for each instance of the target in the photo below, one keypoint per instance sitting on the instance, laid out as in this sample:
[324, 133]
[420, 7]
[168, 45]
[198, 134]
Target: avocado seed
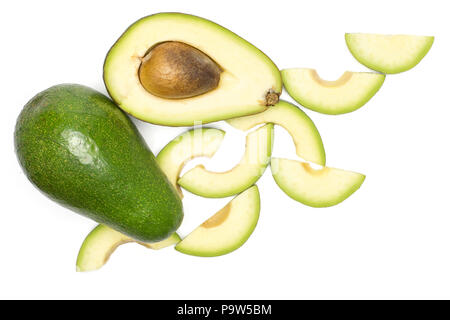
[175, 70]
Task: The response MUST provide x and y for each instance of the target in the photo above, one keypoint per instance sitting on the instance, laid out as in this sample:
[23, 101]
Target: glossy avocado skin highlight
[82, 151]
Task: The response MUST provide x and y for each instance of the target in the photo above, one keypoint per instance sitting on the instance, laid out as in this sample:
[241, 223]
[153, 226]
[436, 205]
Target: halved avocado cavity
[350, 92]
[102, 241]
[307, 140]
[323, 187]
[227, 230]
[176, 69]
[210, 184]
[193, 143]
[388, 53]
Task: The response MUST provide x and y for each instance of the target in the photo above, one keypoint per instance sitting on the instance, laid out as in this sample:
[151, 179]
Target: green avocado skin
[82, 151]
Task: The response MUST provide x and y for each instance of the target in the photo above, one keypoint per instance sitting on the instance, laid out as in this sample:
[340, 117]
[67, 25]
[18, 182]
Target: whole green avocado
[82, 151]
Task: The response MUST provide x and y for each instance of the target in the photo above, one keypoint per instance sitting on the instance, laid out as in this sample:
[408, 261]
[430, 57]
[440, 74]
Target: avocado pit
[175, 70]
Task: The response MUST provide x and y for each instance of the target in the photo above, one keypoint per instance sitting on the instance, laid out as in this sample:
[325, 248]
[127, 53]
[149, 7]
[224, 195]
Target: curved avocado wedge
[316, 188]
[227, 230]
[193, 143]
[103, 241]
[249, 80]
[388, 53]
[349, 93]
[257, 154]
[307, 140]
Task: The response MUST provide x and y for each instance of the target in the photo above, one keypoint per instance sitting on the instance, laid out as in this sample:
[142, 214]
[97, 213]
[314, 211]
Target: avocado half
[249, 81]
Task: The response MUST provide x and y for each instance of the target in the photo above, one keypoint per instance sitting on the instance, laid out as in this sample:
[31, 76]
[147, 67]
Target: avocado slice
[306, 137]
[79, 149]
[152, 73]
[202, 142]
[349, 93]
[210, 184]
[319, 188]
[103, 241]
[227, 230]
[388, 53]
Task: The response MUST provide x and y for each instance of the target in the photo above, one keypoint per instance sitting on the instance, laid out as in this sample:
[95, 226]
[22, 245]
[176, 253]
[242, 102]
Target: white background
[391, 239]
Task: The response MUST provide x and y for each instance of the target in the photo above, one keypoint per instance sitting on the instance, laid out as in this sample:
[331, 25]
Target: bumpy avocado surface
[82, 151]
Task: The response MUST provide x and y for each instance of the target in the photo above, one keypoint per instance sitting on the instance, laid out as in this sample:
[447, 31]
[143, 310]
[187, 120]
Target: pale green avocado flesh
[388, 53]
[256, 158]
[247, 76]
[323, 187]
[194, 143]
[306, 137]
[103, 241]
[349, 93]
[227, 230]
